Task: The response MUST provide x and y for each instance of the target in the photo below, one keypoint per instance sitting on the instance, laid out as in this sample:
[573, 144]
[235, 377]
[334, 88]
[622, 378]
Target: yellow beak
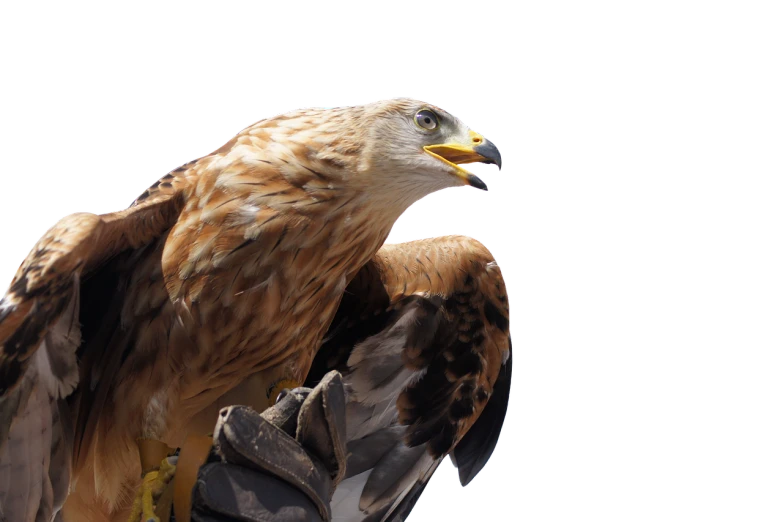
[479, 149]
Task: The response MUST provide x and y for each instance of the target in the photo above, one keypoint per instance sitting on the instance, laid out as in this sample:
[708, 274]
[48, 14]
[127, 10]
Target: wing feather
[392, 477]
[476, 447]
[75, 247]
[422, 340]
[40, 339]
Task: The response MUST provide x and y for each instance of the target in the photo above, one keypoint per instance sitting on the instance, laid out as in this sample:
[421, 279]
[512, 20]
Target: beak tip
[490, 153]
[475, 181]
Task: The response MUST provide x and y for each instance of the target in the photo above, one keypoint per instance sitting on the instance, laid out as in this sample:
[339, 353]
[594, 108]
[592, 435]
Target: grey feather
[60, 344]
[395, 472]
[409, 374]
[376, 373]
[376, 364]
[9, 406]
[399, 510]
[382, 469]
[36, 433]
[61, 454]
[365, 453]
[23, 461]
[405, 481]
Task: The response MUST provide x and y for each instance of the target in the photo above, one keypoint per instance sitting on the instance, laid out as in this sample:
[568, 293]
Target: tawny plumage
[217, 284]
[422, 340]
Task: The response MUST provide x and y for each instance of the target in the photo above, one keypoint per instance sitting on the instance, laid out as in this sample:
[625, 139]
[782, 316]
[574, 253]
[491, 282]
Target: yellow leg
[152, 487]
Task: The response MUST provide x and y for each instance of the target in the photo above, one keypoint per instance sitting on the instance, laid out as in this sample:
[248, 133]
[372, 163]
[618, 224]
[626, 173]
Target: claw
[280, 389]
[152, 486]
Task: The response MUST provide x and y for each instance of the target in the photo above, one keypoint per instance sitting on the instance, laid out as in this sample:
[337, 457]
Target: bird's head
[417, 148]
[393, 152]
[389, 153]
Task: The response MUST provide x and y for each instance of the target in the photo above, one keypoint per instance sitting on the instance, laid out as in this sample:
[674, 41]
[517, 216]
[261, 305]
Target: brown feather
[224, 275]
[421, 337]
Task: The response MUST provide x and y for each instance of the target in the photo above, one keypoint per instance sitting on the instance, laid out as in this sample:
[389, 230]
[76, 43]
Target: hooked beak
[479, 149]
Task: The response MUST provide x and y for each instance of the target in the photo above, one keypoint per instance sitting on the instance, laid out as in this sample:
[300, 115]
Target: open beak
[479, 149]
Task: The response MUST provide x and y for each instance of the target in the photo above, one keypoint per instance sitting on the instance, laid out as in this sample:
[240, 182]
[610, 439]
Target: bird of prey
[422, 340]
[215, 287]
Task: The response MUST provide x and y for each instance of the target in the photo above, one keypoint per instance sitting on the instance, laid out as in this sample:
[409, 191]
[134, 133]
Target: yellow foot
[152, 487]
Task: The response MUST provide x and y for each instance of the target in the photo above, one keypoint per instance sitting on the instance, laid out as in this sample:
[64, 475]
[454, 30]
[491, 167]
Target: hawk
[215, 287]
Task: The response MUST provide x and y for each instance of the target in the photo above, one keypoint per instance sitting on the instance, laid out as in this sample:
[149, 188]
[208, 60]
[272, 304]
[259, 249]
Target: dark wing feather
[70, 251]
[420, 338]
[476, 447]
[362, 313]
[42, 357]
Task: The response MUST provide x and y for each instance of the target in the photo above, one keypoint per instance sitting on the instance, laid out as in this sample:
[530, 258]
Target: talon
[152, 486]
[282, 394]
[279, 390]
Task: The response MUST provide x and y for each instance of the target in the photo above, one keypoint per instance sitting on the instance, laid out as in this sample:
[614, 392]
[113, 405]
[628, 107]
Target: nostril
[476, 140]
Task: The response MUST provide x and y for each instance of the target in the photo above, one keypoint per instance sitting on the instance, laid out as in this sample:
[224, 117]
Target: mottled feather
[422, 340]
[220, 280]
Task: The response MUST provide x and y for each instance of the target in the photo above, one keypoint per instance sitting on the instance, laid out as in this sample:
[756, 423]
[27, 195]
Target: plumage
[219, 282]
[422, 340]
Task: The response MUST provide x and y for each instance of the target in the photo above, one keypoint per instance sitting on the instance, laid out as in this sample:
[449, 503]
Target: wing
[40, 339]
[422, 340]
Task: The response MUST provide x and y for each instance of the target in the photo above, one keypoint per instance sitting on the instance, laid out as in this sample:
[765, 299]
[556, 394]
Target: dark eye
[426, 119]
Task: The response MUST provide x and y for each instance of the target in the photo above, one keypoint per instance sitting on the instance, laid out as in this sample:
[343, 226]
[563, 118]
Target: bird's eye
[426, 120]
